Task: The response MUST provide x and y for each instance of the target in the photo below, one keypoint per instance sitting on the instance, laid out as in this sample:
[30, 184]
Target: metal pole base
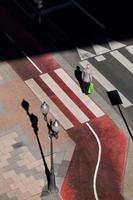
[52, 186]
[45, 191]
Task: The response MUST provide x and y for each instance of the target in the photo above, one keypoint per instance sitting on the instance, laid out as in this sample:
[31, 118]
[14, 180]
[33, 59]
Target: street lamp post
[53, 127]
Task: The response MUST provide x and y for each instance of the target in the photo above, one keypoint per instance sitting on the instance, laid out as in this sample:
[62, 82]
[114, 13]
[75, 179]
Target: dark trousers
[85, 86]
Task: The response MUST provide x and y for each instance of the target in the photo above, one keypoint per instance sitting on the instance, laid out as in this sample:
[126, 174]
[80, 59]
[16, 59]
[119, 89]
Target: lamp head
[55, 126]
[45, 108]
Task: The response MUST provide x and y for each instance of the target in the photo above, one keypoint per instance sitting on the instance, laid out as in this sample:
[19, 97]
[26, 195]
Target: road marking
[10, 38]
[114, 44]
[123, 60]
[55, 8]
[77, 91]
[98, 161]
[105, 83]
[30, 16]
[100, 58]
[89, 15]
[130, 49]
[100, 49]
[42, 96]
[84, 54]
[56, 89]
[31, 61]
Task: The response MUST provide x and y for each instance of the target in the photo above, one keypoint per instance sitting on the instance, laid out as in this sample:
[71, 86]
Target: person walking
[86, 78]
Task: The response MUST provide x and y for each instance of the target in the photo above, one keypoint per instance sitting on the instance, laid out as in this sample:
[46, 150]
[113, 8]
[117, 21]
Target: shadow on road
[70, 27]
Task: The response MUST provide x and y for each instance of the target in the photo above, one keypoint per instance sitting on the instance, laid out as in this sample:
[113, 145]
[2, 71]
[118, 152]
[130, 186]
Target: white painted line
[42, 96]
[83, 54]
[89, 15]
[100, 49]
[100, 58]
[60, 196]
[77, 91]
[55, 8]
[105, 83]
[98, 161]
[30, 16]
[114, 44]
[31, 61]
[10, 38]
[58, 91]
[130, 49]
[123, 60]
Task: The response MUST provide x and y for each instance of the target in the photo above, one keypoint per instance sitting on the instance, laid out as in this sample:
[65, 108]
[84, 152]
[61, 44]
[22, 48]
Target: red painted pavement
[79, 178]
[57, 101]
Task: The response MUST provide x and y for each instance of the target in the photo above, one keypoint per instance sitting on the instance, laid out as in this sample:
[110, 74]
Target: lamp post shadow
[34, 123]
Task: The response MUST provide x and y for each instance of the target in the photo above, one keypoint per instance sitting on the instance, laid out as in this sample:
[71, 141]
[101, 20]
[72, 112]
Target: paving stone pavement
[22, 173]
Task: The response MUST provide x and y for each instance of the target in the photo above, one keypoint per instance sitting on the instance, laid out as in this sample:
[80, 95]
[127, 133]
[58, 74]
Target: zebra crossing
[42, 96]
[75, 88]
[67, 102]
[81, 107]
[123, 60]
[100, 53]
[105, 83]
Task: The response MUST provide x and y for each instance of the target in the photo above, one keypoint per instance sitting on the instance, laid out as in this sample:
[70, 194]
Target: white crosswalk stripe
[114, 44]
[100, 49]
[58, 91]
[77, 90]
[123, 60]
[64, 121]
[130, 49]
[105, 83]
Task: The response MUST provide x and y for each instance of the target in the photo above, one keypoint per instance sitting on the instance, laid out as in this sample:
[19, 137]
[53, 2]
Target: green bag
[90, 88]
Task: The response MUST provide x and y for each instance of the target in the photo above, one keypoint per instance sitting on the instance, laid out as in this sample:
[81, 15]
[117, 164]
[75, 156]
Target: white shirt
[87, 75]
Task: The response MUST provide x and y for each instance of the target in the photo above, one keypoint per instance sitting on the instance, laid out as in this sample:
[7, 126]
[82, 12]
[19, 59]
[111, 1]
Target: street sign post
[115, 100]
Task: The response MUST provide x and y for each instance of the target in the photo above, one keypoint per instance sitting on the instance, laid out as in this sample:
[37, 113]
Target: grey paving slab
[5, 197]
[2, 108]
[63, 168]
[50, 197]
[6, 73]
[18, 145]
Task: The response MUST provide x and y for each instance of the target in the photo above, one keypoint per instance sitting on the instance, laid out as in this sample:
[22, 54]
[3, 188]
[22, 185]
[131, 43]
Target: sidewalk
[22, 173]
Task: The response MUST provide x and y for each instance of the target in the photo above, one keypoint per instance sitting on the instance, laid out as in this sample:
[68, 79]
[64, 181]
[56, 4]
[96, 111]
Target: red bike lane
[79, 181]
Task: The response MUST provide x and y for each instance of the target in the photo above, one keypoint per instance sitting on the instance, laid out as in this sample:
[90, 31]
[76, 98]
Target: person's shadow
[78, 75]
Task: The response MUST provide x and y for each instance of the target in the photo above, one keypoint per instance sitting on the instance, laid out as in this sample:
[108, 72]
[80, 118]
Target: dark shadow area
[68, 27]
[34, 123]
[78, 76]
